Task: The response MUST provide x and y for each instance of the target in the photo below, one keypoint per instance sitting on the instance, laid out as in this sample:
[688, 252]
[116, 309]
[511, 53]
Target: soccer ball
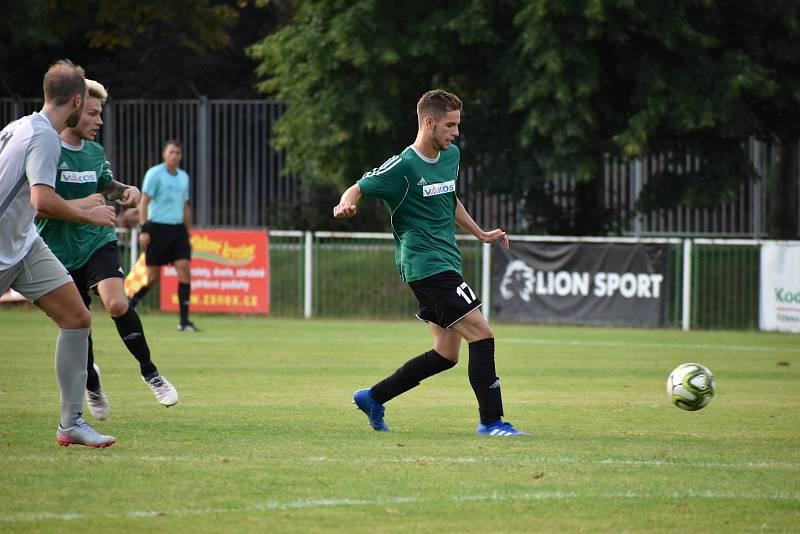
[690, 386]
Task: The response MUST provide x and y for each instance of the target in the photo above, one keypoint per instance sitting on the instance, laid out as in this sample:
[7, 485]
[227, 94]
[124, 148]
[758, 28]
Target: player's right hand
[102, 215]
[344, 211]
[144, 239]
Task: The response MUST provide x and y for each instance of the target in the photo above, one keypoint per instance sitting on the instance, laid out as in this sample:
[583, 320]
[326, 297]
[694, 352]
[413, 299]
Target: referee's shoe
[374, 410]
[188, 326]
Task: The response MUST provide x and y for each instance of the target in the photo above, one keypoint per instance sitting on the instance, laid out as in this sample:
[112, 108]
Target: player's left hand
[130, 197]
[496, 235]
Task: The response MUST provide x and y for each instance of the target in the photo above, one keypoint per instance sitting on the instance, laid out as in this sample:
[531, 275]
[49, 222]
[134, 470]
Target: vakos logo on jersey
[78, 177]
[439, 189]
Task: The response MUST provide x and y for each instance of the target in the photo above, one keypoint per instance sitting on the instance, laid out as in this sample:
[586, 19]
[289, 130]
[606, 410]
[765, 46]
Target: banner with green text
[780, 287]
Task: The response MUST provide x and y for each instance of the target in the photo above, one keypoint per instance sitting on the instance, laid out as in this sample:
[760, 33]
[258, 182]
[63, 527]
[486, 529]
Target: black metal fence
[237, 181]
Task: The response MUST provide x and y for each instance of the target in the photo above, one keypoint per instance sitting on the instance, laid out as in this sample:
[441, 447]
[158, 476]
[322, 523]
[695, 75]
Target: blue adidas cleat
[374, 410]
[499, 428]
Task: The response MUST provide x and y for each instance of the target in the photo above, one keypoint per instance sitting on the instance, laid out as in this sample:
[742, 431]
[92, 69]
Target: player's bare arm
[126, 196]
[466, 222]
[347, 204]
[50, 205]
[86, 203]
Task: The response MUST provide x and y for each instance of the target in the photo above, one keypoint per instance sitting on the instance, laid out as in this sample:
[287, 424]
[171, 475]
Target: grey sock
[71, 349]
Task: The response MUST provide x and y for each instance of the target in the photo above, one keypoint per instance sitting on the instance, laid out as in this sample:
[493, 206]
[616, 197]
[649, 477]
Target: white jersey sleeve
[44, 151]
[29, 152]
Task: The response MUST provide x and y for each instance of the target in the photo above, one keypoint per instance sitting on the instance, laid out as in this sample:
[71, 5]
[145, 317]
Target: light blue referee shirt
[168, 193]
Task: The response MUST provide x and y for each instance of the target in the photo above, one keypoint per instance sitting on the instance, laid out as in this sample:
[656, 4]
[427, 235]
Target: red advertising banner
[230, 273]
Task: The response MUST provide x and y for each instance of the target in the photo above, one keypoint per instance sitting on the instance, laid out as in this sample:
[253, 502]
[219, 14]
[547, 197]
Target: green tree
[352, 72]
[549, 87]
[140, 49]
[696, 78]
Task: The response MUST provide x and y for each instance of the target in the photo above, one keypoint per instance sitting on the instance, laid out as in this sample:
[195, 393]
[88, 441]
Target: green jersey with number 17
[419, 194]
[82, 171]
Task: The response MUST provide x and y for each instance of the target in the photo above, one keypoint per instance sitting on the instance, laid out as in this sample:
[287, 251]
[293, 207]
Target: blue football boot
[374, 410]
[499, 428]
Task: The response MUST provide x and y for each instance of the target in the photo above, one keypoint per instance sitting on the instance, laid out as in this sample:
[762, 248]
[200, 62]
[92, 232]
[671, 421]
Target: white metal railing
[486, 251]
[306, 240]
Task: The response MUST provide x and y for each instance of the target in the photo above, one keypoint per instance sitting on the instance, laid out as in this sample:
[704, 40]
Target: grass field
[264, 437]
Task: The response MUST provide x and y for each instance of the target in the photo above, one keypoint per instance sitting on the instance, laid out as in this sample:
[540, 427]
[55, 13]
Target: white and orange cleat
[82, 433]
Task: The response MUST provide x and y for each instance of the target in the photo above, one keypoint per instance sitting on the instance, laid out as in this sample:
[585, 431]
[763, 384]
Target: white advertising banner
[780, 287]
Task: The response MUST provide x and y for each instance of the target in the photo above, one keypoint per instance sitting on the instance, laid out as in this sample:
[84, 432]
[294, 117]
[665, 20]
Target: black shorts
[444, 298]
[103, 264]
[168, 244]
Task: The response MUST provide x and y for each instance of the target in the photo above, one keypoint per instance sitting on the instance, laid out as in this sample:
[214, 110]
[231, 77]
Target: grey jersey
[29, 152]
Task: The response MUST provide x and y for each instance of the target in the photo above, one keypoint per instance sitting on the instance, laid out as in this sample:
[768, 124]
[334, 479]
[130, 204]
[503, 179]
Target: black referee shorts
[444, 298]
[168, 244]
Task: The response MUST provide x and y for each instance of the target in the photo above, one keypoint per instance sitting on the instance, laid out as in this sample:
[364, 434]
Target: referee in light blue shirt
[164, 236]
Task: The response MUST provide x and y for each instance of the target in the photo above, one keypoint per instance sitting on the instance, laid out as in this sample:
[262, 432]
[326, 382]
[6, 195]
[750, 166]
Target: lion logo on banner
[518, 279]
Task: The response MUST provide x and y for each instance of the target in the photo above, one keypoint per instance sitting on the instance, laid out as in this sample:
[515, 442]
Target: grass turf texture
[265, 438]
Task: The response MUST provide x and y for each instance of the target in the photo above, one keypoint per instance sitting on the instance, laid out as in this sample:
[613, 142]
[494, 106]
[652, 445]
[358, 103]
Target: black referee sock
[139, 295]
[92, 380]
[484, 381]
[130, 330]
[410, 375]
[184, 291]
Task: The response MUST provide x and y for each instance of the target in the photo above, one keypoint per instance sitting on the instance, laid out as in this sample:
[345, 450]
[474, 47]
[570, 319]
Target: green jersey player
[90, 252]
[418, 189]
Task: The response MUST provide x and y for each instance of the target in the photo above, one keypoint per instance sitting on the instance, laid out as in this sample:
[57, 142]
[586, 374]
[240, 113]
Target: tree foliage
[352, 73]
[141, 48]
[195, 25]
[549, 87]
[694, 78]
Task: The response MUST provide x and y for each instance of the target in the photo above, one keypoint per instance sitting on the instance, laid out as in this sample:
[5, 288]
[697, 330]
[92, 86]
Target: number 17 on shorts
[465, 292]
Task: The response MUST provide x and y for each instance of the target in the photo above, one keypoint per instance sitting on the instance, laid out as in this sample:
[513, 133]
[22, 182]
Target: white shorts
[35, 275]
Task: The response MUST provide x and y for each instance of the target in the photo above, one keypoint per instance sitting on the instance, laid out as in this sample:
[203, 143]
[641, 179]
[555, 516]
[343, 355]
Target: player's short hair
[96, 90]
[62, 81]
[174, 142]
[437, 103]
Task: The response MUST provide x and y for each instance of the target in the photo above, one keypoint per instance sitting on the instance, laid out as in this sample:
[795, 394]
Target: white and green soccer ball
[691, 386]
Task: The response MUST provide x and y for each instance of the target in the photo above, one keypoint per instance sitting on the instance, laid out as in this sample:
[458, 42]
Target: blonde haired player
[90, 253]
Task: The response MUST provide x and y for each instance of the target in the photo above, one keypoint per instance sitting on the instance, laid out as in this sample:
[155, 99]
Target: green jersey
[82, 171]
[420, 196]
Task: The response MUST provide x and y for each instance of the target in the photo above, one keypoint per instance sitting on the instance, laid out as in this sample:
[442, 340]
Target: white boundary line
[515, 460]
[699, 346]
[523, 341]
[753, 464]
[305, 504]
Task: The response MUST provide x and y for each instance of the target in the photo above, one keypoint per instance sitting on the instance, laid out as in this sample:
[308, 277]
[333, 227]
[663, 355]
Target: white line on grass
[521, 341]
[757, 464]
[541, 460]
[526, 341]
[709, 346]
[304, 504]
[533, 341]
